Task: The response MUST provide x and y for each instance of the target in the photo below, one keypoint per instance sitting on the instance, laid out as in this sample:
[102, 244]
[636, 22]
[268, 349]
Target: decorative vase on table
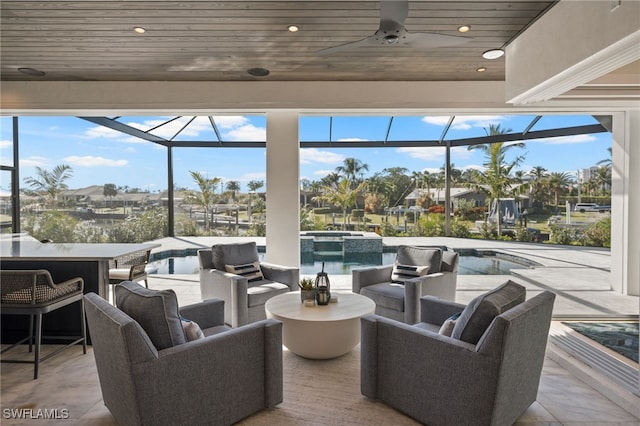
[323, 288]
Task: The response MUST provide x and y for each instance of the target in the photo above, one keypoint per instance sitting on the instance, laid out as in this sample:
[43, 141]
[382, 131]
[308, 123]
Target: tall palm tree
[205, 196]
[497, 170]
[607, 162]
[254, 185]
[351, 168]
[539, 176]
[343, 196]
[233, 186]
[50, 183]
[558, 183]
[602, 177]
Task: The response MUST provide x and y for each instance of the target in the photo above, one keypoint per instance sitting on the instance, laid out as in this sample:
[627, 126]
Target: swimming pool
[471, 263]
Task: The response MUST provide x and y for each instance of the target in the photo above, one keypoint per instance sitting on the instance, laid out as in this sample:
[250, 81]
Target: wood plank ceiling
[220, 40]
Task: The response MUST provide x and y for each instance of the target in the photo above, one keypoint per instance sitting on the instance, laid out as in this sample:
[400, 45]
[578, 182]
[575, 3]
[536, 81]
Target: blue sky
[99, 155]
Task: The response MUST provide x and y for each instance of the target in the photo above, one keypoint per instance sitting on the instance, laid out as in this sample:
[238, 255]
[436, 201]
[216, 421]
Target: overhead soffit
[220, 41]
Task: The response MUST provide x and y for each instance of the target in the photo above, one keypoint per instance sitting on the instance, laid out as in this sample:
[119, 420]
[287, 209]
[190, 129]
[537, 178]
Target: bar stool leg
[31, 333]
[84, 327]
[37, 351]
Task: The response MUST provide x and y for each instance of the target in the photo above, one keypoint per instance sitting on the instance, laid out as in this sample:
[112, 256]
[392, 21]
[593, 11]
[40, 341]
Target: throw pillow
[251, 271]
[481, 311]
[447, 326]
[192, 330]
[155, 310]
[404, 272]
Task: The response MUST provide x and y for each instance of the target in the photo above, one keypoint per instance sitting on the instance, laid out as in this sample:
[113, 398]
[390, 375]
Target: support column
[283, 191]
[625, 204]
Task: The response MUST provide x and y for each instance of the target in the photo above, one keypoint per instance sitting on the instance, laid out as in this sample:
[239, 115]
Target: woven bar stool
[33, 293]
[132, 267]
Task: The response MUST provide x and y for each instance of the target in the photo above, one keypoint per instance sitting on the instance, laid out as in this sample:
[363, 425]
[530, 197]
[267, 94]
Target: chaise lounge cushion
[155, 310]
[481, 311]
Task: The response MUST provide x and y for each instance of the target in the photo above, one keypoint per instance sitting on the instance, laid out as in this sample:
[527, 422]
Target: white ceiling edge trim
[621, 53]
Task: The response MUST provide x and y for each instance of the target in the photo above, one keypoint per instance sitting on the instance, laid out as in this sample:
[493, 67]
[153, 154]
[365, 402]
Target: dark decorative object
[323, 293]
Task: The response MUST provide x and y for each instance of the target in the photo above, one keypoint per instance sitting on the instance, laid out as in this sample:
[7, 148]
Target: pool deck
[580, 276]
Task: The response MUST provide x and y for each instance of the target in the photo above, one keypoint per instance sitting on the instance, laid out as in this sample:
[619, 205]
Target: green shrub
[598, 234]
[51, 225]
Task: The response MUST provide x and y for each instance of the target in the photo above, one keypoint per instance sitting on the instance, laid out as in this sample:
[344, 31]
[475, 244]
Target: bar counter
[63, 261]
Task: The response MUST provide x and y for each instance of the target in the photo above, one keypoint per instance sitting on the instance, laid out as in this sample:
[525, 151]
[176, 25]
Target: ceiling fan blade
[393, 13]
[433, 40]
[348, 46]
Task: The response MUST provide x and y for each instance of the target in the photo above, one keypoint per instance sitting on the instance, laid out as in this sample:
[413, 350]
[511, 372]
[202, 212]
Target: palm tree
[205, 196]
[343, 196]
[50, 183]
[602, 179]
[497, 170]
[558, 183]
[607, 162]
[351, 168]
[233, 186]
[539, 176]
[254, 185]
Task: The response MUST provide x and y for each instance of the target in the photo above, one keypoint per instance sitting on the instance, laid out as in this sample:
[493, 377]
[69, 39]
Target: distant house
[437, 196]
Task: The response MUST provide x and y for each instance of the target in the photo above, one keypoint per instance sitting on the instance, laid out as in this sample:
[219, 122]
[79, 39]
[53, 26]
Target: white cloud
[465, 122]
[33, 162]
[423, 153]
[5, 144]
[314, 155]
[91, 161]
[322, 173]
[566, 139]
[352, 140]
[472, 167]
[252, 176]
[99, 132]
[229, 121]
[248, 132]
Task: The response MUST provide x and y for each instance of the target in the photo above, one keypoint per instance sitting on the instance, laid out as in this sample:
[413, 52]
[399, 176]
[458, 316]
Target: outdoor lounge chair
[152, 373]
[247, 288]
[397, 292]
[486, 372]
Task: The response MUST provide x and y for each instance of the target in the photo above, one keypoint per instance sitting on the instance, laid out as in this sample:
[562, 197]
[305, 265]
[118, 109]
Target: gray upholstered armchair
[151, 373]
[397, 293]
[486, 372]
[233, 273]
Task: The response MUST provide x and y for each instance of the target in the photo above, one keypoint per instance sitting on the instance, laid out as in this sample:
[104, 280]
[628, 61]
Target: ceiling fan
[392, 32]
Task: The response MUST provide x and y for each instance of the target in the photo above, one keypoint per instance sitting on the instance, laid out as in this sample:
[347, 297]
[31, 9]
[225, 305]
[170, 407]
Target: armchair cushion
[233, 254]
[261, 291]
[156, 311]
[386, 295]
[409, 255]
[481, 311]
[251, 271]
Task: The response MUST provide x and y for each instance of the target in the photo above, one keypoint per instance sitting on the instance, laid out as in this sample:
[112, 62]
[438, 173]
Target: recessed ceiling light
[258, 72]
[293, 28]
[464, 28]
[493, 54]
[139, 30]
[32, 72]
[481, 69]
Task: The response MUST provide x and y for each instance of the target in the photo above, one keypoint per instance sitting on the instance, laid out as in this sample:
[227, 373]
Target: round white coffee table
[320, 332]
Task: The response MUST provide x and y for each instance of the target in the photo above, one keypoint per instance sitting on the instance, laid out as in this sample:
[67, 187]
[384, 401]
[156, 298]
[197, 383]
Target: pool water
[621, 337]
[469, 265]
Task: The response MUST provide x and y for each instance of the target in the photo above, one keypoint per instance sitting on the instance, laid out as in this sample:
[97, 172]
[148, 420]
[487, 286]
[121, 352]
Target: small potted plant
[307, 290]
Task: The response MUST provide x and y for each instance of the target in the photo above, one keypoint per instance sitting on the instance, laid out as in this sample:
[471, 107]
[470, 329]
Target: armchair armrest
[288, 275]
[207, 314]
[229, 287]
[434, 310]
[363, 277]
